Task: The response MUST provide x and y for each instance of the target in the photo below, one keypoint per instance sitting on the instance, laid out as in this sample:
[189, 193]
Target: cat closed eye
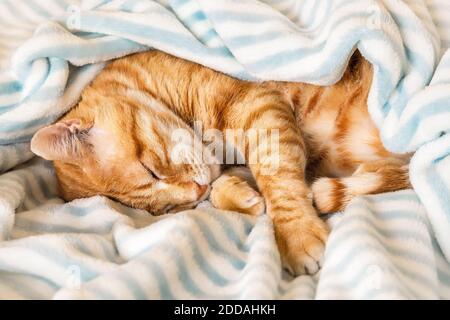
[151, 172]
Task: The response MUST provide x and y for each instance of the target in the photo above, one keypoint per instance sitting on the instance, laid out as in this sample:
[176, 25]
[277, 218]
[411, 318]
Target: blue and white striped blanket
[394, 245]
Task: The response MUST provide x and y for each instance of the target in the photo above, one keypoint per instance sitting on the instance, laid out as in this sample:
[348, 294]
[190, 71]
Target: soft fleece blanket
[392, 246]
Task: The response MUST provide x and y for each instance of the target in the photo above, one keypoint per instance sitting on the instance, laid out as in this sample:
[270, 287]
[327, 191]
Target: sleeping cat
[118, 140]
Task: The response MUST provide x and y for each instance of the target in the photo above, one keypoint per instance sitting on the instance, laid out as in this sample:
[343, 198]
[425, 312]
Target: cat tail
[333, 194]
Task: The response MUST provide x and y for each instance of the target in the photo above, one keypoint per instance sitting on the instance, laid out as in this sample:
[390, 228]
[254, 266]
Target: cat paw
[234, 194]
[301, 242]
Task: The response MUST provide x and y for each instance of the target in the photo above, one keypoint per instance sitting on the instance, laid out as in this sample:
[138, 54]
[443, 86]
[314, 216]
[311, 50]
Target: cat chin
[188, 206]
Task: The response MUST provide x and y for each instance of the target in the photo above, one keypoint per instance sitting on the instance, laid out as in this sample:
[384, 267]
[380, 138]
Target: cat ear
[63, 140]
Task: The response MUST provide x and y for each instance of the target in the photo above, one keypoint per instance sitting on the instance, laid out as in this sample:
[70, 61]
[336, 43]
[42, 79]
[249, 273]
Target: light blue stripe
[286, 57]
[102, 292]
[231, 232]
[195, 17]
[45, 227]
[160, 276]
[388, 214]
[85, 50]
[248, 41]
[219, 249]
[37, 9]
[10, 87]
[383, 239]
[435, 180]
[26, 289]
[354, 254]
[133, 285]
[406, 132]
[443, 275]
[403, 195]
[222, 16]
[203, 263]
[156, 34]
[183, 271]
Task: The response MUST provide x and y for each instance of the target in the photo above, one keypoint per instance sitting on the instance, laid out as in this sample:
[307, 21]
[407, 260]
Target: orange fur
[118, 140]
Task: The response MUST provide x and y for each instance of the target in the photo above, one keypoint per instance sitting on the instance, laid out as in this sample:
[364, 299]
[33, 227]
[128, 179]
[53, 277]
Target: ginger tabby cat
[118, 142]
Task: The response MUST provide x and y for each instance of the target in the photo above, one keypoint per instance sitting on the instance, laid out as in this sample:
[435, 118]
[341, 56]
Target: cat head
[125, 148]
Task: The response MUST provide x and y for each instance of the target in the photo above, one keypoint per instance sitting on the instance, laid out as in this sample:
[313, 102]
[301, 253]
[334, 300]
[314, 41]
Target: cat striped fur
[119, 141]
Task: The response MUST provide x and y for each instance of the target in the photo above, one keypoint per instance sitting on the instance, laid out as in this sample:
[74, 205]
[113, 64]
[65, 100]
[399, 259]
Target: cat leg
[279, 170]
[333, 194]
[235, 190]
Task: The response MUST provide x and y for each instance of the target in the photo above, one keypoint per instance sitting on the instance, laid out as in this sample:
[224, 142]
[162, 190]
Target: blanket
[388, 246]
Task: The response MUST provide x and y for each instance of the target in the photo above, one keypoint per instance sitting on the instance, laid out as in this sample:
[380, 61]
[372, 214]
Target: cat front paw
[301, 241]
[234, 194]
